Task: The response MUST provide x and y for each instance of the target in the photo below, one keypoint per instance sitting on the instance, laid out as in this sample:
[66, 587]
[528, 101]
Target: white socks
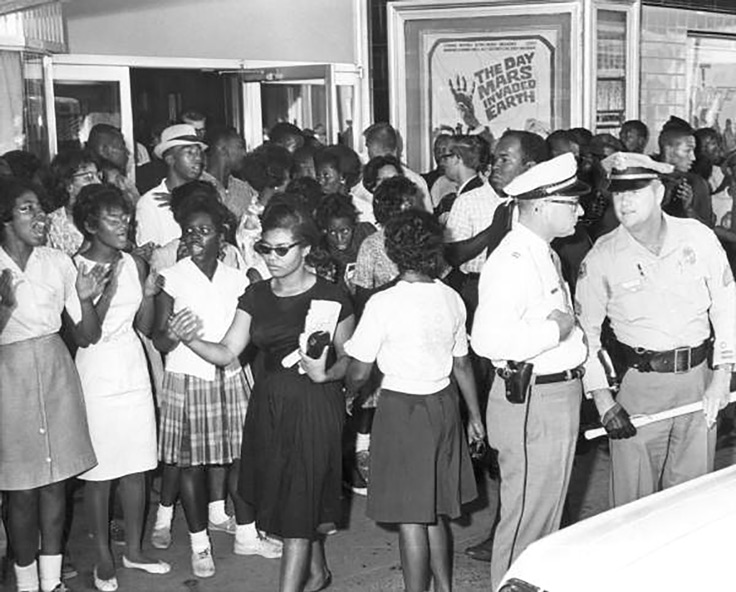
[49, 568]
[216, 511]
[246, 532]
[164, 516]
[200, 541]
[27, 577]
[362, 442]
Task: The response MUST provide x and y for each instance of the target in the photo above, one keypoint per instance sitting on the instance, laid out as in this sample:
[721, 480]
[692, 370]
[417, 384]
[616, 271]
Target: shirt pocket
[633, 301]
[689, 293]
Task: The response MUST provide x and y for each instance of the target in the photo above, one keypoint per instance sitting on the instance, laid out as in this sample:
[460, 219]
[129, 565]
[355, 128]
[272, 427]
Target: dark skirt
[420, 467]
[290, 467]
[44, 436]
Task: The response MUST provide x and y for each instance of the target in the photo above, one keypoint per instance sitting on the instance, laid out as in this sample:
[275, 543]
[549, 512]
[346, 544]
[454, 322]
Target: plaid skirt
[201, 421]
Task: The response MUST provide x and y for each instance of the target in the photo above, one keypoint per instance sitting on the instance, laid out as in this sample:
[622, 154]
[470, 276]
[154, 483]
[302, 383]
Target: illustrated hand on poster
[464, 101]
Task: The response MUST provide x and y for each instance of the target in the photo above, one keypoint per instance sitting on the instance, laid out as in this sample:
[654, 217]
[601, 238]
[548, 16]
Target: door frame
[91, 73]
[333, 75]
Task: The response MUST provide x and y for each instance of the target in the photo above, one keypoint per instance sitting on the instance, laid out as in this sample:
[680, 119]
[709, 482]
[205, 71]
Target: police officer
[662, 282]
[525, 324]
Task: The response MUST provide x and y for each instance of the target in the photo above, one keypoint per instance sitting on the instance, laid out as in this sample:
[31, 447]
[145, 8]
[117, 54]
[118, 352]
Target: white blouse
[42, 290]
[214, 302]
[413, 331]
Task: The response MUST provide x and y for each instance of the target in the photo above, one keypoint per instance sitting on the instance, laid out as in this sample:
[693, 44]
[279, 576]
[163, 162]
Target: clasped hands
[185, 326]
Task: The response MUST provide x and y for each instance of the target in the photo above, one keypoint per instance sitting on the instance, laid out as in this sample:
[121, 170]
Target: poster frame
[434, 13]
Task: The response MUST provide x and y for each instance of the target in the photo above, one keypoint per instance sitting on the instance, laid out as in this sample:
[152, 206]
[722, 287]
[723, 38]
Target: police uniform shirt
[520, 285]
[658, 302]
[472, 213]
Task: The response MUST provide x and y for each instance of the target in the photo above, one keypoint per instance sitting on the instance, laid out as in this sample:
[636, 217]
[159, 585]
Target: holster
[518, 378]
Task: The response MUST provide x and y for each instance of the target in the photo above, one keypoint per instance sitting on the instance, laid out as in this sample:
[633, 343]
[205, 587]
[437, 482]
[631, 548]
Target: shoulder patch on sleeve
[727, 277]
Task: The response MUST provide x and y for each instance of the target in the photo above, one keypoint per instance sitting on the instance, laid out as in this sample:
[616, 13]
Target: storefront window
[35, 122]
[610, 71]
[711, 83]
[11, 101]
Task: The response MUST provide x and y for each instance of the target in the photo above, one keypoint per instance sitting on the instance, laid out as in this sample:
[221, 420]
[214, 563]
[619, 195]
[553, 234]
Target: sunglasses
[281, 250]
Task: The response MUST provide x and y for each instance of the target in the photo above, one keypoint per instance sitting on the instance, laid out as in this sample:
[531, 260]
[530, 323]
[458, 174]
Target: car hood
[677, 539]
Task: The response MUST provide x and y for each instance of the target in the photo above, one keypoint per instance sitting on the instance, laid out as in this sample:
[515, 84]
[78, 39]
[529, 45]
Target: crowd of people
[224, 320]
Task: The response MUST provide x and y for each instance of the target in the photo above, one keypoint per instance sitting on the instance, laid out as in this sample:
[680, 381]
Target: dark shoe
[482, 551]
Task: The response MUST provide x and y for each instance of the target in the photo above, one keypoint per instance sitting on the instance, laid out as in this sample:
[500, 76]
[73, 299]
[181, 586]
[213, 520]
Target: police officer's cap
[629, 171]
[557, 176]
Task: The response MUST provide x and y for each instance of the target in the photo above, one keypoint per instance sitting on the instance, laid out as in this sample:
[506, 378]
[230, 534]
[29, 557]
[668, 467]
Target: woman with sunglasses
[291, 456]
[71, 170]
[203, 406]
[44, 438]
[420, 469]
[116, 383]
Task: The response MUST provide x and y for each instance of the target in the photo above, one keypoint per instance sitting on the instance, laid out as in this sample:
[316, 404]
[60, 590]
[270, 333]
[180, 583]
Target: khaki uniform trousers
[536, 447]
[664, 453]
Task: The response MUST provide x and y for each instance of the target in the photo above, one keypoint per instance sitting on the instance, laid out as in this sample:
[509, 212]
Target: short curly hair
[370, 172]
[269, 165]
[309, 189]
[11, 188]
[63, 168]
[391, 196]
[200, 197]
[414, 243]
[335, 205]
[343, 159]
[92, 201]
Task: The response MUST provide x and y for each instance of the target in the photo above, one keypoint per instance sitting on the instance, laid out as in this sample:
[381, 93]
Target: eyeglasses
[281, 250]
[121, 221]
[446, 155]
[203, 230]
[87, 176]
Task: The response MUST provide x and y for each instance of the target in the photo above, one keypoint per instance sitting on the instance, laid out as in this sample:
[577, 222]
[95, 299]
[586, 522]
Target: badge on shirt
[688, 256]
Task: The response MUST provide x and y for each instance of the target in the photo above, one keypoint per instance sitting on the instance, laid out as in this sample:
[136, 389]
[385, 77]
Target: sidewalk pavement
[362, 556]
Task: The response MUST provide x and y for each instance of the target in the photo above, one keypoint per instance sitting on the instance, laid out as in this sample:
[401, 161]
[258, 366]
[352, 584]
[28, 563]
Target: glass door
[322, 98]
[84, 96]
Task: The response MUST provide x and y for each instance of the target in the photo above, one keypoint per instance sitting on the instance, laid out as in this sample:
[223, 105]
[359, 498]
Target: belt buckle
[679, 352]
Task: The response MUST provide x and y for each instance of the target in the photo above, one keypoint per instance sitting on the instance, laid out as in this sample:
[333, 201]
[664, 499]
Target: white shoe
[161, 537]
[227, 526]
[203, 564]
[262, 545]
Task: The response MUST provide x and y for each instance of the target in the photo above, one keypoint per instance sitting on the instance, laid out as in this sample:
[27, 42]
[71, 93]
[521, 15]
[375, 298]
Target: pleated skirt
[201, 421]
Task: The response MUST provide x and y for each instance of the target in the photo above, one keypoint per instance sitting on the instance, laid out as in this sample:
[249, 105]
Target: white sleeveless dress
[117, 386]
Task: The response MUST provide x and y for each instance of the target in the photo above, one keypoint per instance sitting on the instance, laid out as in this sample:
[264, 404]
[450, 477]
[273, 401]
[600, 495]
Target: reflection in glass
[80, 105]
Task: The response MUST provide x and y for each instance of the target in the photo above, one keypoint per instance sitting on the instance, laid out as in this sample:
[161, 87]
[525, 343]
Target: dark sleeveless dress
[290, 467]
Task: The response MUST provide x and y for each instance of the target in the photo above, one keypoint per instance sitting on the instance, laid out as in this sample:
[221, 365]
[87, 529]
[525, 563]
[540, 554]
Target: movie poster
[496, 81]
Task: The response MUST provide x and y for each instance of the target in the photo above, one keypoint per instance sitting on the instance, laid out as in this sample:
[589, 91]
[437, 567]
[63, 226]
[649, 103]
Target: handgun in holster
[518, 379]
